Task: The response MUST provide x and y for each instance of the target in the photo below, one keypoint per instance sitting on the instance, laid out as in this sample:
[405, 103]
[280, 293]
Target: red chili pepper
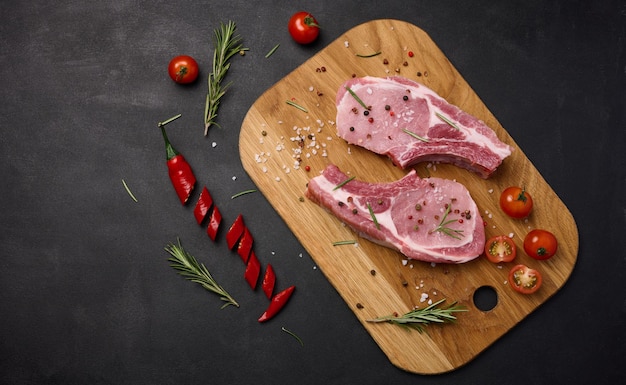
[205, 201]
[277, 303]
[235, 232]
[253, 269]
[214, 223]
[245, 245]
[269, 280]
[180, 172]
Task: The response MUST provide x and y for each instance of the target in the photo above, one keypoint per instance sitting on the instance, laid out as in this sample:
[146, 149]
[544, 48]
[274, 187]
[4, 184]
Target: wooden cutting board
[375, 281]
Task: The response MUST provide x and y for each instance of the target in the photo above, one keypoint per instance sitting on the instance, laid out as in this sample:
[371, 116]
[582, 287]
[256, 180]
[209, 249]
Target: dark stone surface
[86, 294]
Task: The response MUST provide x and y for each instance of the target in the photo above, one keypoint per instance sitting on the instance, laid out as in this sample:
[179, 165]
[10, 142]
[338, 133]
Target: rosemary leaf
[293, 335]
[227, 44]
[370, 55]
[188, 267]
[128, 190]
[346, 242]
[418, 318]
[354, 95]
[369, 207]
[271, 52]
[340, 185]
[242, 193]
[293, 104]
[414, 135]
[451, 123]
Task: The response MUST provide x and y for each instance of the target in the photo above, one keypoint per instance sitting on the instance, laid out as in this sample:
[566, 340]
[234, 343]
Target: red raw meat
[407, 213]
[401, 110]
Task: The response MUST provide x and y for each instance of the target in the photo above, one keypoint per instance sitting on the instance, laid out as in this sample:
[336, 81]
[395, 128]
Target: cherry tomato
[183, 69]
[524, 279]
[540, 244]
[303, 28]
[500, 248]
[516, 202]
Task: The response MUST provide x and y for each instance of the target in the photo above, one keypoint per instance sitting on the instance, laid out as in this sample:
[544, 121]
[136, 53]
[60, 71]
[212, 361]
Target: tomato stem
[310, 21]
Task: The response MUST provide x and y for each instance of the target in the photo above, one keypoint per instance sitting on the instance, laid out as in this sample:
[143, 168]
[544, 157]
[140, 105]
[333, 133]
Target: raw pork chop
[410, 123]
[430, 219]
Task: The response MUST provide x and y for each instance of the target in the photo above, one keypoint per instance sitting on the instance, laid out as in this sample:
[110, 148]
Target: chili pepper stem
[170, 151]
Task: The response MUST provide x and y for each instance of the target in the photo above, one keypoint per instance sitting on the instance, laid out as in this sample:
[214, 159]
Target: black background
[86, 293]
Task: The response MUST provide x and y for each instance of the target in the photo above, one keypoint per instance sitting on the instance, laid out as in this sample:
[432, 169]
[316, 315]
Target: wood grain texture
[269, 152]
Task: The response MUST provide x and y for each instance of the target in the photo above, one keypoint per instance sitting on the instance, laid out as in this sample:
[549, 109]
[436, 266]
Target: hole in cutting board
[485, 298]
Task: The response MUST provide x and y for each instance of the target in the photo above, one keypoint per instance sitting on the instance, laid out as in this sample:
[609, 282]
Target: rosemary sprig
[411, 133]
[340, 185]
[442, 226]
[227, 44]
[354, 95]
[189, 268]
[450, 122]
[418, 318]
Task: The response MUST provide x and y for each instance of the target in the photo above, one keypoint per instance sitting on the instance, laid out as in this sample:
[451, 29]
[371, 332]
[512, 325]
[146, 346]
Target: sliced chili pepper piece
[253, 270]
[269, 280]
[214, 223]
[205, 201]
[180, 172]
[277, 303]
[245, 245]
[235, 232]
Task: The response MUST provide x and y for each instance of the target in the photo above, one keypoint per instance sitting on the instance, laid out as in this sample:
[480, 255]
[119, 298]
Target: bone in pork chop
[410, 123]
[429, 219]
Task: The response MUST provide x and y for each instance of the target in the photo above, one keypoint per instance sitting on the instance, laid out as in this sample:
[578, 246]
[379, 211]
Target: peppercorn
[405, 98]
[387, 107]
[366, 112]
[351, 128]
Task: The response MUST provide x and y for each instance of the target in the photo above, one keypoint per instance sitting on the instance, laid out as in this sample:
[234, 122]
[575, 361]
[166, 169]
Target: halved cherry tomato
[303, 28]
[183, 69]
[516, 202]
[540, 244]
[500, 248]
[524, 279]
